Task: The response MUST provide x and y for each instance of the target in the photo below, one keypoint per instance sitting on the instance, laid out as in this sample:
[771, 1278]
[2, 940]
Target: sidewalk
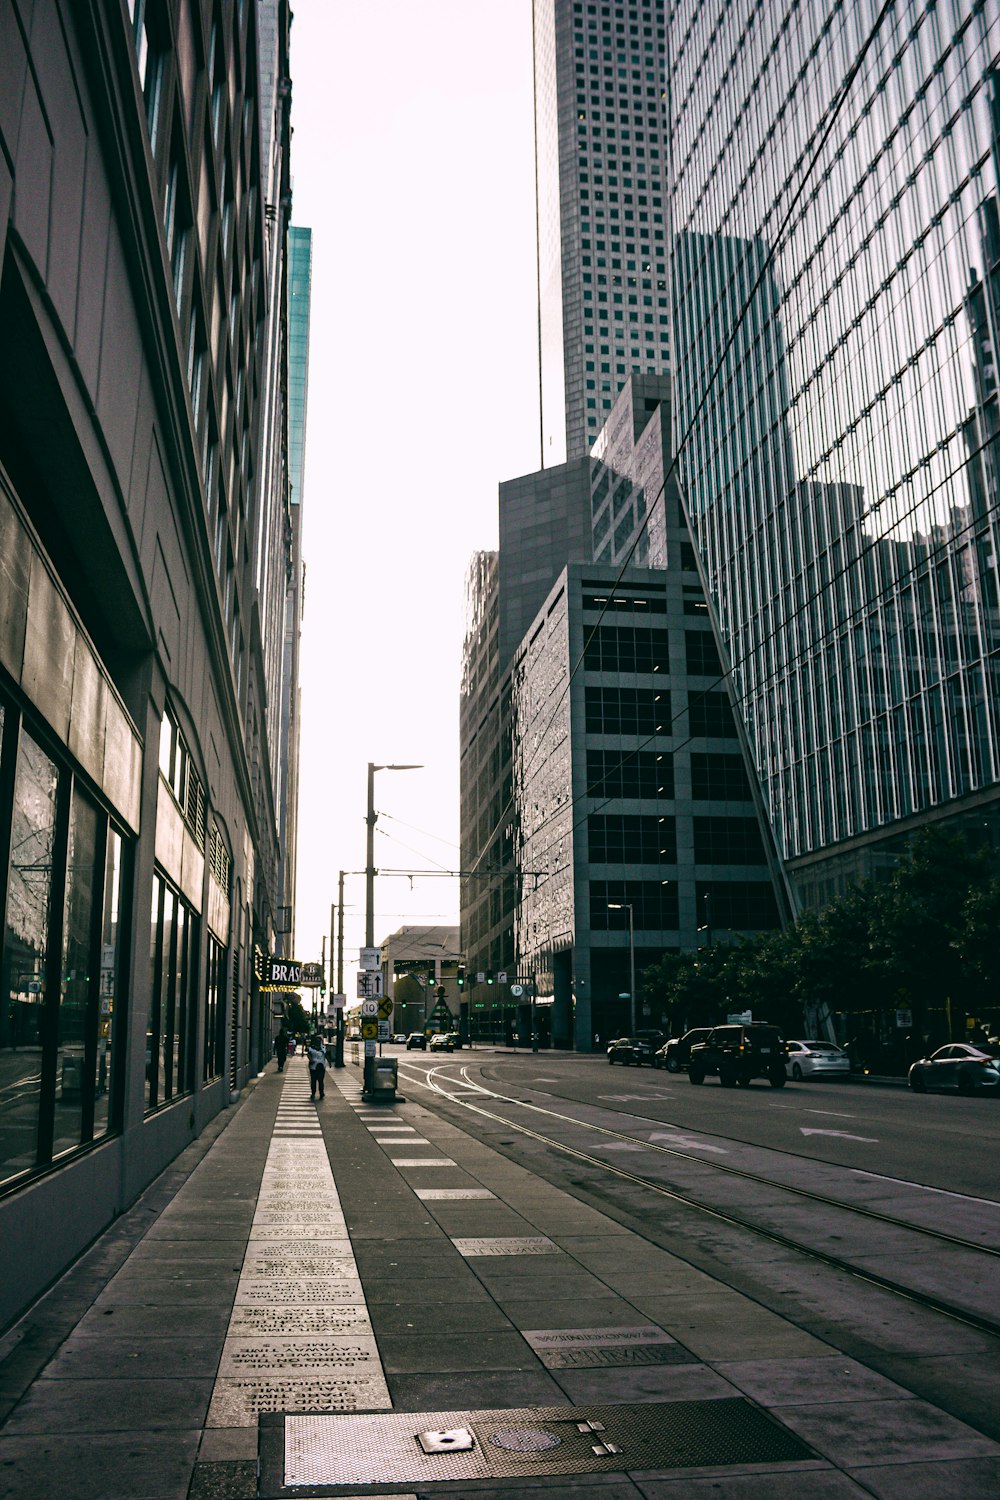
[337, 1258]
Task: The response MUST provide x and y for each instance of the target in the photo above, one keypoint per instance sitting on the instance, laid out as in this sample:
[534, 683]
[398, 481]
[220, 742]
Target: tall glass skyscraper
[601, 170]
[835, 281]
[299, 292]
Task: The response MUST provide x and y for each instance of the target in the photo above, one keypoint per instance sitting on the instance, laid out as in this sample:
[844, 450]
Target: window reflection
[170, 1018]
[76, 983]
[26, 930]
[107, 988]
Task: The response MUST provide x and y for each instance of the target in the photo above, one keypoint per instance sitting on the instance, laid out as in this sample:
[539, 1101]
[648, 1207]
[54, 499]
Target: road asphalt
[313, 1286]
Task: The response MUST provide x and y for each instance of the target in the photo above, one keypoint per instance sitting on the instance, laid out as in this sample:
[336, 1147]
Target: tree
[977, 943]
[925, 914]
[297, 1020]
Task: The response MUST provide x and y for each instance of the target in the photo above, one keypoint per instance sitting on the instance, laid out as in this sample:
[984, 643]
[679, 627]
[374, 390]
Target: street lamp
[627, 906]
[370, 850]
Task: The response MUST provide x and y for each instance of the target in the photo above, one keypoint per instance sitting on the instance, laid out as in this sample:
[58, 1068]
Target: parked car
[817, 1060]
[631, 1049]
[738, 1054]
[416, 1040]
[958, 1068]
[442, 1041]
[676, 1054]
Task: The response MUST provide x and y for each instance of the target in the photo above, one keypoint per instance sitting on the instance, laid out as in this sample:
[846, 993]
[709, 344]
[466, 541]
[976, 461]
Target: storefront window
[60, 962]
[77, 985]
[110, 968]
[25, 947]
[172, 969]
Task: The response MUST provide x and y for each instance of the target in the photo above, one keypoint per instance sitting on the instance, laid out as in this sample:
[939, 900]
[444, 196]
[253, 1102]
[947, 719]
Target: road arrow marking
[868, 1139]
[687, 1141]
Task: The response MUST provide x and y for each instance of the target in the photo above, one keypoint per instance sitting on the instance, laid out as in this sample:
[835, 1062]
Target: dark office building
[137, 725]
[607, 815]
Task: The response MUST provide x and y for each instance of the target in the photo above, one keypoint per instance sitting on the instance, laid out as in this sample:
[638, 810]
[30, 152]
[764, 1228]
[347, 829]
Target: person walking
[317, 1067]
[281, 1048]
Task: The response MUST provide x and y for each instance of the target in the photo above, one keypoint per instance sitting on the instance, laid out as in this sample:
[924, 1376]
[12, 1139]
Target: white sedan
[817, 1059]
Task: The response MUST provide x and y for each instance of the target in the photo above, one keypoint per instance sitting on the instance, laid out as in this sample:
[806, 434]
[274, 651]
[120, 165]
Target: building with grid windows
[601, 183]
[143, 568]
[602, 769]
[836, 290]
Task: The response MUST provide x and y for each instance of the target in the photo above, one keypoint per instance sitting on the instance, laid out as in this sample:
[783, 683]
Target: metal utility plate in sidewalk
[343, 1455]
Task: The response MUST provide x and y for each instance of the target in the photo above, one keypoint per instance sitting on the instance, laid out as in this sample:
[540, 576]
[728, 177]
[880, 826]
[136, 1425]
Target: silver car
[817, 1060]
[958, 1068]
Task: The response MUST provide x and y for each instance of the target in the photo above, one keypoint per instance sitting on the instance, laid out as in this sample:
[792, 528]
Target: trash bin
[380, 1079]
[383, 1076]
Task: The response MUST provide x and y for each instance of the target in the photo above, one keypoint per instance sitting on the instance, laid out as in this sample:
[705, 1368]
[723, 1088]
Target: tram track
[458, 1095]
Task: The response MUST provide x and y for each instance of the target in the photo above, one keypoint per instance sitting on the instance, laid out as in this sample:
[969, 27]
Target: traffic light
[489, 976]
[460, 978]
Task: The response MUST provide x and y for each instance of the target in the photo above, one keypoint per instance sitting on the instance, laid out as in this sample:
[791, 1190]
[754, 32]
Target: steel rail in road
[433, 1084]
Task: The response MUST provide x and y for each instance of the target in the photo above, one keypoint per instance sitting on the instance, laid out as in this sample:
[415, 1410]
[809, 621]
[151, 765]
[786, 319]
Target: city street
[943, 1141]
[868, 1214]
[316, 1284]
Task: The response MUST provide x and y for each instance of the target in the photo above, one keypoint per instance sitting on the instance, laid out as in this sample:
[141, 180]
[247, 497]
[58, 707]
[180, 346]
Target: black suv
[739, 1054]
[676, 1054]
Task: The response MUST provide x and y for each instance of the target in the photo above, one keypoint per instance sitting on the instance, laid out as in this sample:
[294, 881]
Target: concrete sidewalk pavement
[340, 1257]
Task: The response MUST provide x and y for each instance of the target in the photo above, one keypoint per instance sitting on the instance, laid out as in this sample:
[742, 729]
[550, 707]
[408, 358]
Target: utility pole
[338, 1054]
[370, 819]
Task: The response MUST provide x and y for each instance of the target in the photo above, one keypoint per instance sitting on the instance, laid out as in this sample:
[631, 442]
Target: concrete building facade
[604, 783]
[137, 779]
[601, 189]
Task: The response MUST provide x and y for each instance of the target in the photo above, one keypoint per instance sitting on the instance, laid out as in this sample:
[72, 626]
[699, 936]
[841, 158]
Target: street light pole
[627, 906]
[338, 1046]
[370, 849]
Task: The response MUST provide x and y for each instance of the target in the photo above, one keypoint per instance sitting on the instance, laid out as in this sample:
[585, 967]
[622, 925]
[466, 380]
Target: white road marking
[632, 1098]
[687, 1141]
[868, 1139]
[925, 1187]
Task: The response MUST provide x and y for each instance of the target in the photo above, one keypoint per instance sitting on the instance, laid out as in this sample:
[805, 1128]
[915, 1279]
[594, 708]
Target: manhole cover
[525, 1440]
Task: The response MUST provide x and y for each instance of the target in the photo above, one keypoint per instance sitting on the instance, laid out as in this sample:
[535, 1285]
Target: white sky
[413, 165]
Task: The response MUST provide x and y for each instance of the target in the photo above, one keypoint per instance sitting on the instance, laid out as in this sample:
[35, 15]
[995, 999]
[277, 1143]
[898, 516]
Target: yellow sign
[369, 1031]
[385, 1008]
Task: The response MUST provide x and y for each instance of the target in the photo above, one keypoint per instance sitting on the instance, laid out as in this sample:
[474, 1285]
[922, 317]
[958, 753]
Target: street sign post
[385, 1008]
[370, 984]
[369, 1009]
[370, 958]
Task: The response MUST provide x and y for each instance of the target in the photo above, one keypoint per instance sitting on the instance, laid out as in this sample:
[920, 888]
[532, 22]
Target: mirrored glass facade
[836, 293]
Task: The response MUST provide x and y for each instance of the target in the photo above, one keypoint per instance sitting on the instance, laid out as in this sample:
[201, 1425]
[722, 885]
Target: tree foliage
[925, 939]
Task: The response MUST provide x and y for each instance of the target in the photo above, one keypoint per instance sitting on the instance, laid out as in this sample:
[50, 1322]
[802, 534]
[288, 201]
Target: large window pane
[164, 1075]
[22, 981]
[110, 959]
[172, 964]
[76, 975]
[153, 1013]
